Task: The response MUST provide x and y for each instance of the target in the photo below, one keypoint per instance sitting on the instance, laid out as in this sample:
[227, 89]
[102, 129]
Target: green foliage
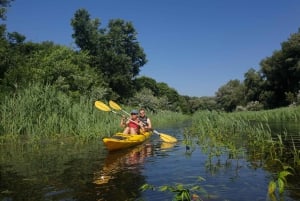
[115, 50]
[275, 84]
[4, 4]
[282, 71]
[231, 95]
[280, 182]
[145, 99]
[160, 95]
[147, 82]
[182, 192]
[253, 85]
[291, 98]
[254, 106]
[16, 38]
[61, 67]
[171, 94]
[86, 33]
[219, 133]
[110, 59]
[202, 103]
[3, 53]
[39, 111]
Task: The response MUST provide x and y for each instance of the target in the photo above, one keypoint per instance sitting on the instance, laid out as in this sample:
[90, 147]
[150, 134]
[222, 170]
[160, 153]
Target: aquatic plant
[280, 181]
[218, 133]
[181, 192]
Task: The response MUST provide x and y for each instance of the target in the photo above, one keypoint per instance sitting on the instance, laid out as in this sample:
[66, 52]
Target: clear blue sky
[195, 46]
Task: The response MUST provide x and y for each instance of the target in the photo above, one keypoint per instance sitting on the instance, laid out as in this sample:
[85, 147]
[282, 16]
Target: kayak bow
[123, 141]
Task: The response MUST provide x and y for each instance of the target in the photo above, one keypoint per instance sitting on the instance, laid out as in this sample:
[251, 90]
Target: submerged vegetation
[181, 192]
[250, 134]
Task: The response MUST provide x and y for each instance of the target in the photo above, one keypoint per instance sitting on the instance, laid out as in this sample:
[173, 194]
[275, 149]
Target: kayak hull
[123, 141]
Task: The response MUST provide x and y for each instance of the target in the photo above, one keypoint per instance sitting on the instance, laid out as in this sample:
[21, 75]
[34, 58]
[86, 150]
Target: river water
[71, 171]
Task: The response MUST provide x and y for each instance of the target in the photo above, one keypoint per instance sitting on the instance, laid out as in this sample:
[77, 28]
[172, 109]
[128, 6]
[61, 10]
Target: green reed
[234, 134]
[280, 114]
[164, 118]
[42, 111]
[223, 129]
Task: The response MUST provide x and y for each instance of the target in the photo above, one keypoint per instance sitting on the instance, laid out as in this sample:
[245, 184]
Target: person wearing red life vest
[132, 125]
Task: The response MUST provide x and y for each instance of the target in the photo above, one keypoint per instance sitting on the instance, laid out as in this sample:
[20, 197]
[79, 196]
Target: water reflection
[87, 172]
[120, 177]
[72, 171]
[122, 160]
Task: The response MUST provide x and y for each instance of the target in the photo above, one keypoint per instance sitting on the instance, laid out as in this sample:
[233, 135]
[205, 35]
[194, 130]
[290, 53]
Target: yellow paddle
[102, 106]
[164, 137]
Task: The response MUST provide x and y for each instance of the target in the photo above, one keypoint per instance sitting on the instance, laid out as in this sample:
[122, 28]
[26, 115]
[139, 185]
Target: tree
[3, 8]
[147, 82]
[16, 38]
[202, 103]
[230, 95]
[253, 83]
[282, 71]
[145, 99]
[58, 66]
[13, 51]
[173, 98]
[4, 4]
[115, 51]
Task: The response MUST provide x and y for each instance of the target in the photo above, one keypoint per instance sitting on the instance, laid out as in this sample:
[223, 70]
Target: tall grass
[248, 130]
[164, 118]
[42, 111]
[291, 114]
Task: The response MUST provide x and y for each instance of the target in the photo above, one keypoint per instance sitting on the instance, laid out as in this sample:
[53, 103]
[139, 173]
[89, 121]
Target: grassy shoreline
[44, 112]
[239, 134]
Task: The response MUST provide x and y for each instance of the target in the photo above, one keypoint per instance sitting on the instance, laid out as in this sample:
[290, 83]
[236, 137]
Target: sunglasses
[133, 113]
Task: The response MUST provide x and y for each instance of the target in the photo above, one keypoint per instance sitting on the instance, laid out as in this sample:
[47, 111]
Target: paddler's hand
[141, 124]
[123, 121]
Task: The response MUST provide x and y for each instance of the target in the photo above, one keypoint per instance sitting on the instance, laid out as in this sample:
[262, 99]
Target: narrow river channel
[72, 171]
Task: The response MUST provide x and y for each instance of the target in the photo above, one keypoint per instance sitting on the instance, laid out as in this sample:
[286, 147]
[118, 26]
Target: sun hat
[134, 112]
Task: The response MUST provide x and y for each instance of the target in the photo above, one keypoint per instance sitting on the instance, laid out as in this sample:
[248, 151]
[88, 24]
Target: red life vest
[133, 125]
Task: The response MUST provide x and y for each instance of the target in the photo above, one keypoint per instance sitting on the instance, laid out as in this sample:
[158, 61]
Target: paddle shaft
[102, 106]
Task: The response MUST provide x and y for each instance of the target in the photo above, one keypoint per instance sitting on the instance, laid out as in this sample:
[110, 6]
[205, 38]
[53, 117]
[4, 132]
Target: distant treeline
[106, 62]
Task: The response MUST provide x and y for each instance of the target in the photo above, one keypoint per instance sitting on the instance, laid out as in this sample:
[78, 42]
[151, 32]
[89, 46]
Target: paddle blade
[102, 106]
[165, 137]
[114, 105]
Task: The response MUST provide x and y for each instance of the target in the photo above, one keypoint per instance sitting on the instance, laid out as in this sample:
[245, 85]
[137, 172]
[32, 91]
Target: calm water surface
[66, 171]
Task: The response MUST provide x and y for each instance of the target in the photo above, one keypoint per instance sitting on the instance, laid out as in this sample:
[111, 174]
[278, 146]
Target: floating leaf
[163, 188]
[272, 187]
[146, 187]
[283, 174]
[280, 185]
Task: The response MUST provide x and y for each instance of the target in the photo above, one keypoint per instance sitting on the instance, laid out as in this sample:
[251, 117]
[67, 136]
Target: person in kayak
[132, 125]
[146, 122]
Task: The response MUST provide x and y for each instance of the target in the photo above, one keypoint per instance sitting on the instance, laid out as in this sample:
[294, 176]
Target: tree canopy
[115, 50]
[107, 61]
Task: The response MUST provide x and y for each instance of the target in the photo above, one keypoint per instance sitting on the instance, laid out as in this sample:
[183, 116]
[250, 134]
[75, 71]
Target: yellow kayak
[122, 141]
